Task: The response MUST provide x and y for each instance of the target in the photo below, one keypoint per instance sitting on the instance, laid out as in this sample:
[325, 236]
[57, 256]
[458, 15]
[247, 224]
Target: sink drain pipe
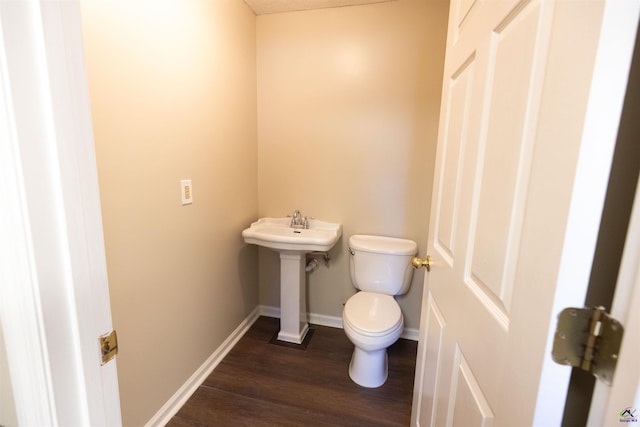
[312, 265]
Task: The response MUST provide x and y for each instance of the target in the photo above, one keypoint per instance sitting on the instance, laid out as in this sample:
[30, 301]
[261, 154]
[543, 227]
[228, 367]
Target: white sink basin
[277, 234]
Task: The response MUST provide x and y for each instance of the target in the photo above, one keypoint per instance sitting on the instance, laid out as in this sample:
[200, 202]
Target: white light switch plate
[186, 191]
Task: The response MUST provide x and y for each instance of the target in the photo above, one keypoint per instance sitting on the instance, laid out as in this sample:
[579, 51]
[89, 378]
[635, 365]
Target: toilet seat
[372, 315]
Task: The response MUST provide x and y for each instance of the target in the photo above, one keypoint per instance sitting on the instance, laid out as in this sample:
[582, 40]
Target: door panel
[471, 407]
[462, 11]
[516, 91]
[497, 207]
[459, 100]
[430, 366]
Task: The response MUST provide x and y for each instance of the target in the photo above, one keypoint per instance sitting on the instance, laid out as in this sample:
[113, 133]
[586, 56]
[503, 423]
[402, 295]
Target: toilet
[380, 268]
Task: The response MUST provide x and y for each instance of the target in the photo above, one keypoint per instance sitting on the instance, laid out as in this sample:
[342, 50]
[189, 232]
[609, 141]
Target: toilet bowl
[372, 320]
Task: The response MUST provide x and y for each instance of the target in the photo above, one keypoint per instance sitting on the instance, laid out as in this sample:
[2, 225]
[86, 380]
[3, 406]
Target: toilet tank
[381, 264]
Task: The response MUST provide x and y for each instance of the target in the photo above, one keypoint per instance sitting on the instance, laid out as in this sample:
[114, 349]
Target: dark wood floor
[262, 384]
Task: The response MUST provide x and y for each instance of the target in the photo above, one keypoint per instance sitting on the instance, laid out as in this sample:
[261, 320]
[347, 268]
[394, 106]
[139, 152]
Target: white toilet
[381, 268]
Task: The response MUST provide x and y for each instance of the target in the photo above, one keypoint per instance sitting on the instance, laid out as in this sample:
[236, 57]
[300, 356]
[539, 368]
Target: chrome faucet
[297, 221]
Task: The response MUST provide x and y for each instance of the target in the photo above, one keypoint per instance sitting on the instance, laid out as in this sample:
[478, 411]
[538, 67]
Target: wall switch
[187, 191]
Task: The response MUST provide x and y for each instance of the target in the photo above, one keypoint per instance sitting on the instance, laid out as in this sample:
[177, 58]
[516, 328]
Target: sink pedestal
[293, 244]
[293, 298]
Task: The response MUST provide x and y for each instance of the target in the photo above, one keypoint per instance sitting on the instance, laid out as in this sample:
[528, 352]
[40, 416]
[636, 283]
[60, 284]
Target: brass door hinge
[108, 346]
[587, 338]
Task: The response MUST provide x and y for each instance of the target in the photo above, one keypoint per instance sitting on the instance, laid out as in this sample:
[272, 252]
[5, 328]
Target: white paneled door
[531, 102]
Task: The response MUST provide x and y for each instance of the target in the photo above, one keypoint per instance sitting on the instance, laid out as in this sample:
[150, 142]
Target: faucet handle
[305, 221]
[296, 220]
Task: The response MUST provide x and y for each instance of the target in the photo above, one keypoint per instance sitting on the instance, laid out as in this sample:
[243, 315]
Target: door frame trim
[608, 88]
[60, 279]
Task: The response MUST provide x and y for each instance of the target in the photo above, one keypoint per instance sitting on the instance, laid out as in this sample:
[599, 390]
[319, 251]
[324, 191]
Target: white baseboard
[323, 320]
[173, 405]
[331, 321]
[410, 334]
[269, 311]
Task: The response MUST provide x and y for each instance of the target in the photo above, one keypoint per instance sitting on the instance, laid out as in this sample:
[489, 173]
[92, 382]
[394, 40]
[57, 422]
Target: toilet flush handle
[419, 262]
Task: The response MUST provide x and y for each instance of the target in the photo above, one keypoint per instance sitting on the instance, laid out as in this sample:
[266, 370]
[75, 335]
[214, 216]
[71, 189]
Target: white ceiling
[263, 7]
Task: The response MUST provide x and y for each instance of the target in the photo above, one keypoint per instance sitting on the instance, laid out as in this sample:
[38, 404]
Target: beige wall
[173, 95]
[348, 102]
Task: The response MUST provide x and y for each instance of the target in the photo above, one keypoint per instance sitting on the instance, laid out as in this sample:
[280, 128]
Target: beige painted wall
[173, 95]
[348, 102]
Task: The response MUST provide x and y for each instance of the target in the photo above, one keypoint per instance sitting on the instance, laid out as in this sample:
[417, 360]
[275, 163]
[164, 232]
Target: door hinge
[108, 346]
[587, 338]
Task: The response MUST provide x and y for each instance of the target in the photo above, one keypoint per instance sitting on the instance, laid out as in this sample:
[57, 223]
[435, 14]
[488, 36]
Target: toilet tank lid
[382, 244]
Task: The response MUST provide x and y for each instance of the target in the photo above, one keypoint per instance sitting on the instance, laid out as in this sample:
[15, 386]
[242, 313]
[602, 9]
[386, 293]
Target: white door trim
[20, 310]
[53, 223]
[609, 401]
[608, 87]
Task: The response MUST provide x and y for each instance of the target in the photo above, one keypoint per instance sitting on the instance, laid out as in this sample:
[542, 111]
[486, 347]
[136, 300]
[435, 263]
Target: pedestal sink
[293, 244]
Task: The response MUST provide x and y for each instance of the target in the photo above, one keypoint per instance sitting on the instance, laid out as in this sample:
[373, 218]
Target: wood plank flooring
[262, 384]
